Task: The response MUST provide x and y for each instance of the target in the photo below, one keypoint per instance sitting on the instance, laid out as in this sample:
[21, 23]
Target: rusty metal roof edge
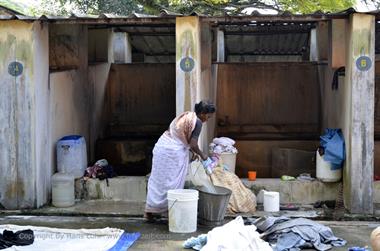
[167, 16]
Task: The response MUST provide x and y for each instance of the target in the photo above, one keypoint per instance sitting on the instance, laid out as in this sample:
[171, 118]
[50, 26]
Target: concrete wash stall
[276, 89]
[136, 103]
[269, 96]
[90, 85]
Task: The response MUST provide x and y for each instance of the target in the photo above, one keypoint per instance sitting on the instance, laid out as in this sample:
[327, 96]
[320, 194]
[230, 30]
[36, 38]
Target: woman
[171, 156]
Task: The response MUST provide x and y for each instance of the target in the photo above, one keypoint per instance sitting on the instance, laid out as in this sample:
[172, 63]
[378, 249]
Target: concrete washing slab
[133, 188]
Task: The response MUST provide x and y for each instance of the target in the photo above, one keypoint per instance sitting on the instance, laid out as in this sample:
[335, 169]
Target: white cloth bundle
[223, 145]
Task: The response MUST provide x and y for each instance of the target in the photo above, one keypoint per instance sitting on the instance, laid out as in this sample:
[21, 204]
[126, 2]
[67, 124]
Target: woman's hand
[195, 157]
[204, 156]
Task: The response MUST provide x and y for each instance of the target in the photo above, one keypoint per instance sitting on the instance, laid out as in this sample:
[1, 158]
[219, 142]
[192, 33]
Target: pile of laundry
[242, 199]
[232, 236]
[267, 233]
[222, 145]
[295, 234]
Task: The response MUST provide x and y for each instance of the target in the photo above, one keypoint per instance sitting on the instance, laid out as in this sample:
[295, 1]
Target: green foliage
[310, 6]
[206, 7]
[14, 6]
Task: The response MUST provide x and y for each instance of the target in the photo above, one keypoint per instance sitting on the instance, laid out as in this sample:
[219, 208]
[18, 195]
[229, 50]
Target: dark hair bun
[204, 107]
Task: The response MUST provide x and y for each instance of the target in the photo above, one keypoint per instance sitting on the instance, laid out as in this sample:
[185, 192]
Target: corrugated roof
[267, 38]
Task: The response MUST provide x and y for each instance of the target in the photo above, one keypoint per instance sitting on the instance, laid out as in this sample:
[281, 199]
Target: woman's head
[204, 110]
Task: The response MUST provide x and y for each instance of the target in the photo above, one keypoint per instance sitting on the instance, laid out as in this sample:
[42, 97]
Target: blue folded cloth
[206, 162]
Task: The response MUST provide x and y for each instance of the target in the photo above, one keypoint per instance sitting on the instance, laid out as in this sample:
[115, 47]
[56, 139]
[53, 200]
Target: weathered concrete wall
[98, 45]
[297, 192]
[126, 188]
[97, 78]
[23, 116]
[69, 90]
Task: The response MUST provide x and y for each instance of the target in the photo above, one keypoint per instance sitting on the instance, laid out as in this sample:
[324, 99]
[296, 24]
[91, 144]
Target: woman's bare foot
[149, 217]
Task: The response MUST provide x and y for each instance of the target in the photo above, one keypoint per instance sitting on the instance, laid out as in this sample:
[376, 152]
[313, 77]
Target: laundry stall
[269, 97]
[138, 101]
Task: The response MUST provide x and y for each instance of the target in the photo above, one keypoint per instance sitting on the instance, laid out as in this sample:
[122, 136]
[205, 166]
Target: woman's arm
[195, 148]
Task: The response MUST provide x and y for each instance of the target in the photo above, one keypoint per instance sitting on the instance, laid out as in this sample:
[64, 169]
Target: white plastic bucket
[271, 201]
[183, 210]
[324, 172]
[229, 159]
[63, 190]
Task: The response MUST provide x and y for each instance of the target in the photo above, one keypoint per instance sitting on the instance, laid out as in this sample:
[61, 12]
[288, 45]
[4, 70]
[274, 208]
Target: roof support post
[188, 63]
[193, 68]
[359, 114]
[25, 169]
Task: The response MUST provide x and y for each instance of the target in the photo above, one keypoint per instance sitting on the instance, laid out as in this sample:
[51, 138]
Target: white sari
[170, 162]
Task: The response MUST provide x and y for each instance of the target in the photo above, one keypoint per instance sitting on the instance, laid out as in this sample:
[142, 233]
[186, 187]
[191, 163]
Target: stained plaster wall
[69, 89]
[24, 120]
[97, 77]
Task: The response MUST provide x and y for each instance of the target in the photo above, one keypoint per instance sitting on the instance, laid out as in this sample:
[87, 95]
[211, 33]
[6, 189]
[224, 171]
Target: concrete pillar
[193, 69]
[359, 114]
[24, 114]
[122, 48]
[188, 63]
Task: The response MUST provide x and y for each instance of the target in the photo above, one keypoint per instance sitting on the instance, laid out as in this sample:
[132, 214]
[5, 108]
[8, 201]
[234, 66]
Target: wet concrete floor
[156, 236]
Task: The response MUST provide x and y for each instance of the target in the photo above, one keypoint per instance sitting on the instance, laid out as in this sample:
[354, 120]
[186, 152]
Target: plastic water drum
[72, 155]
[63, 190]
[324, 172]
[183, 210]
[271, 201]
[229, 159]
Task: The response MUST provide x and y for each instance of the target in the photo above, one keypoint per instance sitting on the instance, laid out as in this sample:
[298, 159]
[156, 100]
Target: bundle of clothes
[100, 170]
[223, 145]
[267, 233]
[232, 236]
[215, 173]
[19, 238]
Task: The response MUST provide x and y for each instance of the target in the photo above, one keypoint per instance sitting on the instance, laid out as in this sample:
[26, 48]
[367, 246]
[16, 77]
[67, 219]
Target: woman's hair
[204, 107]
